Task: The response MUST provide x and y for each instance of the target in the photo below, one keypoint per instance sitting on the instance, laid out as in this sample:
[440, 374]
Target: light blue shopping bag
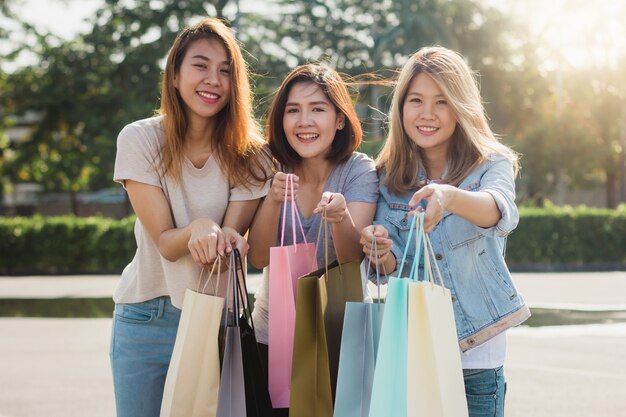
[361, 331]
[389, 389]
[359, 346]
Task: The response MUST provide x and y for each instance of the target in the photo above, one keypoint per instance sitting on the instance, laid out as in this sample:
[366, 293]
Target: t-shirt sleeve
[362, 182]
[136, 158]
[241, 193]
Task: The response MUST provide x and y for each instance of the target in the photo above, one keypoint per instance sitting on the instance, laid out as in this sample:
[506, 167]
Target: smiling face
[427, 117]
[203, 80]
[310, 120]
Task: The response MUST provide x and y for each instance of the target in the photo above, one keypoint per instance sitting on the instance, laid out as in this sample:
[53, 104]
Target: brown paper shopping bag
[193, 378]
[320, 307]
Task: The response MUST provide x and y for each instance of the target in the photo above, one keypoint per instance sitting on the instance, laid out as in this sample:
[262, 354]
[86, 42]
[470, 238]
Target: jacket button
[470, 341]
[453, 298]
[438, 256]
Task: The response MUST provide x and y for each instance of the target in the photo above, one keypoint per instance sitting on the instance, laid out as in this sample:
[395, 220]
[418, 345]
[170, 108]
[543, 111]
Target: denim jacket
[470, 257]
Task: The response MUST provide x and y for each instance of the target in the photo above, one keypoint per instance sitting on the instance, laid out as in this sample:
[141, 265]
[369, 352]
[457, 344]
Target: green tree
[88, 88]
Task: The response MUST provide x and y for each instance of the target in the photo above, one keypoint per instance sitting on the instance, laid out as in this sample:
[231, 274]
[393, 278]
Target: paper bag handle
[219, 267]
[294, 213]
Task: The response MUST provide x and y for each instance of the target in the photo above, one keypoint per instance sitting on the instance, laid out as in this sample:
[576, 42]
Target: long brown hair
[472, 142]
[237, 141]
[346, 140]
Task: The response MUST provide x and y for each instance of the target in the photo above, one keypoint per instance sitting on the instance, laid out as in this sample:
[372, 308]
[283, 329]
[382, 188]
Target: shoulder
[500, 163]
[359, 158]
[357, 164]
[401, 200]
[149, 131]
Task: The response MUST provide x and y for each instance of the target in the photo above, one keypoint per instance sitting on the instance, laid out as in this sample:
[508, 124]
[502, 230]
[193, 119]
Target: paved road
[60, 368]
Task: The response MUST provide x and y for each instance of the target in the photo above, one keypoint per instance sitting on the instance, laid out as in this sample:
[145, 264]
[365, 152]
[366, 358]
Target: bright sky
[62, 17]
[578, 33]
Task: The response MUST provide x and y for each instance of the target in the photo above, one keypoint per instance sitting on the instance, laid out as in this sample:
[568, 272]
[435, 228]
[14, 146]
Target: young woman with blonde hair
[194, 176]
[442, 157]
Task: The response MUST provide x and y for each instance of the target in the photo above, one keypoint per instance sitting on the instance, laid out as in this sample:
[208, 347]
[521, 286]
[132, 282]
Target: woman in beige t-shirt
[194, 176]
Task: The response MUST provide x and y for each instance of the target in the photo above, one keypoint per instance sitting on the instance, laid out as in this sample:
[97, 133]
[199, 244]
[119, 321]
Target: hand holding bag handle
[294, 214]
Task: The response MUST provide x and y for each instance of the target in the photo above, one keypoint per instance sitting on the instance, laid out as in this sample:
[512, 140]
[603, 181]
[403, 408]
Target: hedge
[65, 245]
[553, 238]
[566, 238]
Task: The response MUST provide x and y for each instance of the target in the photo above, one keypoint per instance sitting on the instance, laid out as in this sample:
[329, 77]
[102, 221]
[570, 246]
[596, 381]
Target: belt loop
[161, 309]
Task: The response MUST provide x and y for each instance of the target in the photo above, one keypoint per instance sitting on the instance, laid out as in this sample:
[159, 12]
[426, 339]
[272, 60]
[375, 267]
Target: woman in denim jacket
[441, 156]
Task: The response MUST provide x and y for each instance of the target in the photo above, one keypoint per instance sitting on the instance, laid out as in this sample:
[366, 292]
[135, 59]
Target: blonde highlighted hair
[237, 141]
[472, 142]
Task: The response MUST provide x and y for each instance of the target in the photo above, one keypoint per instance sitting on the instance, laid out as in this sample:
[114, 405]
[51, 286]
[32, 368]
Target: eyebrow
[312, 103]
[420, 94]
[206, 58]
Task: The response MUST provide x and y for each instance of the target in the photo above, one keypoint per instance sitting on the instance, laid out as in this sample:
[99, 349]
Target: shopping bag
[361, 332]
[320, 308]
[389, 389]
[434, 372]
[287, 264]
[258, 402]
[232, 396]
[359, 345]
[193, 377]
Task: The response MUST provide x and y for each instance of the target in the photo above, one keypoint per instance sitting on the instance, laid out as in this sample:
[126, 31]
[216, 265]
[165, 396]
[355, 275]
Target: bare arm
[237, 220]
[477, 207]
[202, 237]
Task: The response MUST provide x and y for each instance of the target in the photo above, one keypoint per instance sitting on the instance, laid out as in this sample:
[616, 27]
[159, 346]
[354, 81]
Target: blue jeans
[485, 390]
[142, 340]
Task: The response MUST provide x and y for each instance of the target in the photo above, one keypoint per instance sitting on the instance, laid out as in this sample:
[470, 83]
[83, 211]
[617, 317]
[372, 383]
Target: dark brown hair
[346, 140]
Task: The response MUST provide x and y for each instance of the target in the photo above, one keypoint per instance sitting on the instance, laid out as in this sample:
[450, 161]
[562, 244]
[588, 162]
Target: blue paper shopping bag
[389, 386]
[389, 390]
[359, 346]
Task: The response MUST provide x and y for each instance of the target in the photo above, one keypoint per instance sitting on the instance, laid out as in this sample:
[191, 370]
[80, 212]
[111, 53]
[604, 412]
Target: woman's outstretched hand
[383, 244]
[437, 198]
[335, 206]
[279, 185]
[207, 241]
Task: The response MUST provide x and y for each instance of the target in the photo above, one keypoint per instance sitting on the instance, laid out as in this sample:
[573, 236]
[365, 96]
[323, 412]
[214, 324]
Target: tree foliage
[87, 88]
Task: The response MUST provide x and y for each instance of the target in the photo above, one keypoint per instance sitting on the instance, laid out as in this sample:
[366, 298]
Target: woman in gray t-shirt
[313, 132]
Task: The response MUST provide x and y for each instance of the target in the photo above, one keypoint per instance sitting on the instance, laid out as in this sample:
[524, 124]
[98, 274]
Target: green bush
[551, 238]
[65, 245]
[566, 237]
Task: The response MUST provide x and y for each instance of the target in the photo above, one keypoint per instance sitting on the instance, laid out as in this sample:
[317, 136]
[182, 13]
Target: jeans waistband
[159, 305]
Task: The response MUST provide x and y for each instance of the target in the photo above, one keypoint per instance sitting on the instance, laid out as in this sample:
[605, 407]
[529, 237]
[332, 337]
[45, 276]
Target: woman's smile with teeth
[307, 136]
[208, 95]
[427, 128]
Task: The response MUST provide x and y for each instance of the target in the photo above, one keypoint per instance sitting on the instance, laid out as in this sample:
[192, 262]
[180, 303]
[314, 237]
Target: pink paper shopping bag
[287, 264]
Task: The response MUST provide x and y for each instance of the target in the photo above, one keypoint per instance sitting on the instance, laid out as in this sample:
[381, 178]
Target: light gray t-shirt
[200, 192]
[357, 180]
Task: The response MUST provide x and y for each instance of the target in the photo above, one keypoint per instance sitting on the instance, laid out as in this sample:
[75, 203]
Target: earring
[340, 126]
